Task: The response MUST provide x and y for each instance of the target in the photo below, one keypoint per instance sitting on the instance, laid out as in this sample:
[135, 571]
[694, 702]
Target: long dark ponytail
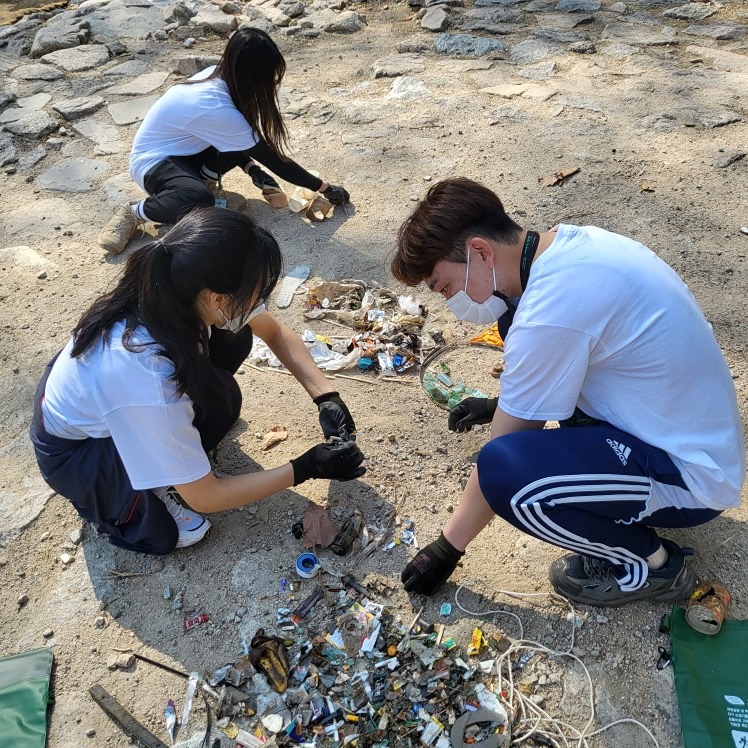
[210, 248]
[253, 67]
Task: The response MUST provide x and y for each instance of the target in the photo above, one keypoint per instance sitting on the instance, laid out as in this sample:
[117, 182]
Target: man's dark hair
[452, 211]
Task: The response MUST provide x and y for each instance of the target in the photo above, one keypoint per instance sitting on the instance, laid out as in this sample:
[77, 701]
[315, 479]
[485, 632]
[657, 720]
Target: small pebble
[48, 633]
[90, 732]
[99, 622]
[44, 536]
[744, 229]
[167, 593]
[42, 275]
[66, 559]
[22, 600]
[76, 537]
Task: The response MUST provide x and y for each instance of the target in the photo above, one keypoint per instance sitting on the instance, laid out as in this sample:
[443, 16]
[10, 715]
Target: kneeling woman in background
[126, 413]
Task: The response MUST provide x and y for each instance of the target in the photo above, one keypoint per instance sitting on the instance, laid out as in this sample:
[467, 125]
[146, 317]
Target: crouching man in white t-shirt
[604, 337]
[126, 413]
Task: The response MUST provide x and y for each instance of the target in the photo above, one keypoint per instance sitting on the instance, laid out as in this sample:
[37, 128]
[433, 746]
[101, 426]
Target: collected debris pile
[368, 680]
[387, 333]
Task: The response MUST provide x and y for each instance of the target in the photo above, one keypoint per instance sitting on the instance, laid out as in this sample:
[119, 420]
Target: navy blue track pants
[595, 490]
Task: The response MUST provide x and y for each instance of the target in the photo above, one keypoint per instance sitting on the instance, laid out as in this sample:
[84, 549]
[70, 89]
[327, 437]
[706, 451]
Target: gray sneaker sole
[681, 586]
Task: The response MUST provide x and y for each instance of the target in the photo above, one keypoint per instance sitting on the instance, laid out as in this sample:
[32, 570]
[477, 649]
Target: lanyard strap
[528, 253]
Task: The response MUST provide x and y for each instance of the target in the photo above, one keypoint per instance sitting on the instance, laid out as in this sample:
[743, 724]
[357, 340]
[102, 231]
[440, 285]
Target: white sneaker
[192, 527]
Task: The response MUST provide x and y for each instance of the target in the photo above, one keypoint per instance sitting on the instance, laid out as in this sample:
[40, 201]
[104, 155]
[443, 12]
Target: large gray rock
[416, 43]
[37, 72]
[408, 88]
[574, 6]
[328, 20]
[129, 68]
[533, 50]
[706, 117]
[214, 19]
[36, 220]
[540, 71]
[720, 31]
[128, 112]
[107, 138]
[691, 12]
[492, 15]
[466, 45]
[188, 66]
[116, 20]
[395, 65]
[435, 19]
[637, 36]
[78, 59]
[178, 13]
[24, 106]
[269, 13]
[565, 21]
[32, 125]
[142, 85]
[561, 37]
[61, 32]
[8, 153]
[292, 8]
[73, 175]
[72, 109]
[31, 158]
[721, 59]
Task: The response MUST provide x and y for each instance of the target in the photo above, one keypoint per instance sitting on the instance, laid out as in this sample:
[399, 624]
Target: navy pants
[177, 184]
[91, 475]
[592, 489]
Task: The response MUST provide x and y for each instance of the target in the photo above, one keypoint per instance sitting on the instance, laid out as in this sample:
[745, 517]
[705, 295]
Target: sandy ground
[386, 152]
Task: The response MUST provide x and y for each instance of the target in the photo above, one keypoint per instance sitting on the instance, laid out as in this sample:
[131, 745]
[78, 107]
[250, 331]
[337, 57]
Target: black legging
[176, 185]
[91, 475]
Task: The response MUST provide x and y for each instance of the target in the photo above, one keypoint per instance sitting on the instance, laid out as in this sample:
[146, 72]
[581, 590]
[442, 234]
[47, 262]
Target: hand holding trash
[337, 460]
[431, 567]
[336, 194]
[472, 411]
[334, 417]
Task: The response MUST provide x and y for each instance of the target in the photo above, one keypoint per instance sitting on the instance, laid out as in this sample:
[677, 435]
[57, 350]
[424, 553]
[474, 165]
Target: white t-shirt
[607, 326]
[110, 391]
[187, 119]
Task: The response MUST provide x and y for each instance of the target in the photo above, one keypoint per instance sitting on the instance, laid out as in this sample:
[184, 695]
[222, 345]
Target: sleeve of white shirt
[225, 129]
[545, 368]
[158, 444]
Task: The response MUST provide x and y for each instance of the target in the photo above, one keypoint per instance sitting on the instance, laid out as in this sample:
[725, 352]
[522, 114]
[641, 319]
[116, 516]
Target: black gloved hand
[431, 567]
[334, 417]
[337, 461]
[471, 412]
[336, 194]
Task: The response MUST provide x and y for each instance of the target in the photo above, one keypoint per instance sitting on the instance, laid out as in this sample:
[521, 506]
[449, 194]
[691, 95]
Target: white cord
[533, 719]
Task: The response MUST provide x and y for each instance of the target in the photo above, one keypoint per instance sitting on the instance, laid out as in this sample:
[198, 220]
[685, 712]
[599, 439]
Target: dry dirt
[690, 218]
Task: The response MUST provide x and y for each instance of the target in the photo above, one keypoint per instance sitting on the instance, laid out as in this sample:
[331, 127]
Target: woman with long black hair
[225, 116]
[126, 413]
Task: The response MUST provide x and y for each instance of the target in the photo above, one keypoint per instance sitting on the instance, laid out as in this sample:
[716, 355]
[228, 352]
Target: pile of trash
[352, 673]
[387, 335]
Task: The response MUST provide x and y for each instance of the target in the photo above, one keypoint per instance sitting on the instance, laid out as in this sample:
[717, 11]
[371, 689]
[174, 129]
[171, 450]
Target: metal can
[707, 607]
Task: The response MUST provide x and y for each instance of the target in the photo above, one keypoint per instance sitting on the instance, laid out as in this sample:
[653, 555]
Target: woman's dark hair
[438, 229]
[253, 67]
[210, 248]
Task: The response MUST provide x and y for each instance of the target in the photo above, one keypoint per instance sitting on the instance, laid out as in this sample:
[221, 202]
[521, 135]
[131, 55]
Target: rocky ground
[647, 99]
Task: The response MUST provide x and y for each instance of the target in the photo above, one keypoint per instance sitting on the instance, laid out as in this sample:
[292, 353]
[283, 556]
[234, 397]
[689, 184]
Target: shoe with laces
[592, 581]
[192, 527]
[121, 227]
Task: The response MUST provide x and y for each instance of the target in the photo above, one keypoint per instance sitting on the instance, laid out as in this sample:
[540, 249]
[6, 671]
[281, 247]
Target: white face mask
[484, 313]
[232, 325]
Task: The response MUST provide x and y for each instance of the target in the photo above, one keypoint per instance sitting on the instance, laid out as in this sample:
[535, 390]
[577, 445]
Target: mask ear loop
[467, 268]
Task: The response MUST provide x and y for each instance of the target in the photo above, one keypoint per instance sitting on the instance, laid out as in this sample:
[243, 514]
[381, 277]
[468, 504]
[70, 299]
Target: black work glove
[431, 567]
[336, 194]
[471, 412]
[337, 460]
[334, 417]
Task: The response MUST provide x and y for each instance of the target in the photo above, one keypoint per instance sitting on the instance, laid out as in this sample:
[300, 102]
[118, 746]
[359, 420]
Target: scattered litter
[170, 715]
[289, 284]
[275, 197]
[193, 619]
[307, 565]
[319, 528]
[490, 336]
[268, 654]
[276, 435]
[445, 609]
[558, 177]
[189, 696]
[707, 607]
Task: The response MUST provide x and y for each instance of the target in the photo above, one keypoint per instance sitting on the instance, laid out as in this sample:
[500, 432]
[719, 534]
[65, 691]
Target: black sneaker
[261, 179]
[592, 581]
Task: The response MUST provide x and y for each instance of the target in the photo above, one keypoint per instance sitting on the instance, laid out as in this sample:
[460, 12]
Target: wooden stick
[268, 369]
[357, 379]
